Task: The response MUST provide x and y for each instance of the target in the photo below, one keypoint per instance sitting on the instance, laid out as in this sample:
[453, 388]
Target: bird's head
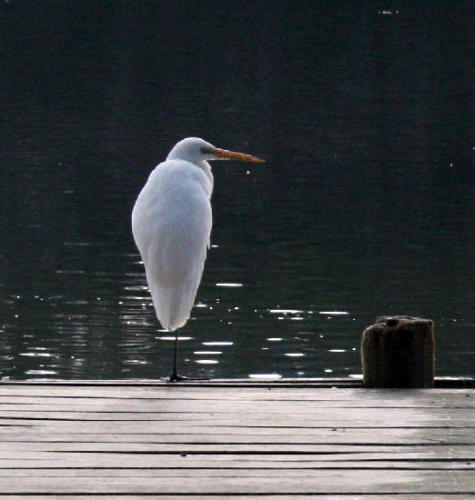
[196, 150]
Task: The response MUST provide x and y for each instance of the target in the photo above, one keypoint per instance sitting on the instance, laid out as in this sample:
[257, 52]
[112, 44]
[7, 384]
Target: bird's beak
[232, 155]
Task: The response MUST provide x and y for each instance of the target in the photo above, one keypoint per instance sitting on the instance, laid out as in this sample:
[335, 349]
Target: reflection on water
[362, 209]
[265, 376]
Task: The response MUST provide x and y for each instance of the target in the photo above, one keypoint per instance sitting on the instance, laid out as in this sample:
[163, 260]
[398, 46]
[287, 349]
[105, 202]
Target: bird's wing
[172, 224]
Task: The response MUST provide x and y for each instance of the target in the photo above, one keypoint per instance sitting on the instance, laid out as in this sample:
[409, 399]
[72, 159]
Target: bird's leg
[174, 377]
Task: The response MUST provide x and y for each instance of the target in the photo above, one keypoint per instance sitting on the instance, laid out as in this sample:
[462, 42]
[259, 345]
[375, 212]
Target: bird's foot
[174, 377]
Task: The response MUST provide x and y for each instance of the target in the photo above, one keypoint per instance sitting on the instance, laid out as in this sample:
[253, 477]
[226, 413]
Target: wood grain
[231, 441]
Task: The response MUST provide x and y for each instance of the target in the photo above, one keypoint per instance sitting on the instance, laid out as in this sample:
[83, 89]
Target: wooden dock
[226, 439]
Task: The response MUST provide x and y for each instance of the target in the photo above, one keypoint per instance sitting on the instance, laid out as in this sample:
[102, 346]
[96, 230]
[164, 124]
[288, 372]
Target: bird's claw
[180, 378]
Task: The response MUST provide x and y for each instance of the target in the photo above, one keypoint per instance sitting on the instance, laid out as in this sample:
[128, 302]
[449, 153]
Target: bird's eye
[205, 150]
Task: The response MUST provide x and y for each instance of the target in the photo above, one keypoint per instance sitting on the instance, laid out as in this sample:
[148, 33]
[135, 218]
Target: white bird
[171, 225]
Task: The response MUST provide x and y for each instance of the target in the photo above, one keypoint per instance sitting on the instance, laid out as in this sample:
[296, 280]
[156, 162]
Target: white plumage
[171, 224]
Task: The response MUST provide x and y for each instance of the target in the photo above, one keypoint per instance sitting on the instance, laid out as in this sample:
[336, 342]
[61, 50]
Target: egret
[171, 225]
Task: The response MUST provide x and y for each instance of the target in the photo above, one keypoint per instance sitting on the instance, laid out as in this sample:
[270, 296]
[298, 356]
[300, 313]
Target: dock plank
[233, 440]
[399, 436]
[12, 449]
[336, 481]
[324, 496]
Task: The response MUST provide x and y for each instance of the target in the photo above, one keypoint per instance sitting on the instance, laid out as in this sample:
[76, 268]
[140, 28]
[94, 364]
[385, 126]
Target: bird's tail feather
[173, 304]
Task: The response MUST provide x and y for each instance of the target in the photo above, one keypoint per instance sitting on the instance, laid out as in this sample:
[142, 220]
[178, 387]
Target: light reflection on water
[89, 328]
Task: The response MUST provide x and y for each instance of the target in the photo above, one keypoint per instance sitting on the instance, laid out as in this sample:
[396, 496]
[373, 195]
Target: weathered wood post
[398, 351]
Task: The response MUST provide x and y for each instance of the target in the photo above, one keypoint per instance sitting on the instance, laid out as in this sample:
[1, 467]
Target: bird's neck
[203, 165]
[206, 168]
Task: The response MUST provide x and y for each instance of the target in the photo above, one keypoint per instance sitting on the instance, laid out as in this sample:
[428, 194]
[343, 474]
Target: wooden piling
[398, 351]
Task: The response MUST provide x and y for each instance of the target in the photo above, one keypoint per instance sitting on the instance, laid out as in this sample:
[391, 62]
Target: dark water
[364, 207]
